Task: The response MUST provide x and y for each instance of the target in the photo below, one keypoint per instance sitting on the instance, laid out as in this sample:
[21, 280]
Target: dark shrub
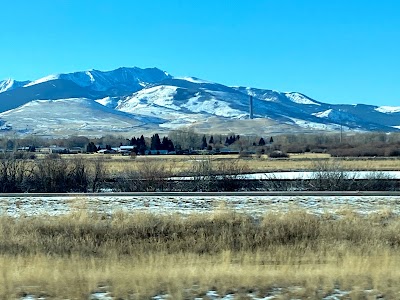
[278, 154]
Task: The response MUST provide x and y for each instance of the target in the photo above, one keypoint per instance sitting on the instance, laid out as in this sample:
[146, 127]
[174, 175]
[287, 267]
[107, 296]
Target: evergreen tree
[141, 142]
[133, 142]
[91, 147]
[261, 142]
[211, 140]
[141, 145]
[164, 143]
[155, 142]
[271, 140]
[167, 144]
[203, 142]
[171, 146]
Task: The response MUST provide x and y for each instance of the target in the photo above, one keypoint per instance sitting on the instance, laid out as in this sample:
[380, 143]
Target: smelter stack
[251, 107]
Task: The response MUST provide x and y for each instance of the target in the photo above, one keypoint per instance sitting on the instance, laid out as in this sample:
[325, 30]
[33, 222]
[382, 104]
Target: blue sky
[338, 51]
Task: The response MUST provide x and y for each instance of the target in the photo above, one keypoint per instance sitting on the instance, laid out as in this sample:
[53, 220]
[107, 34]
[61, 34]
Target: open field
[182, 248]
[179, 164]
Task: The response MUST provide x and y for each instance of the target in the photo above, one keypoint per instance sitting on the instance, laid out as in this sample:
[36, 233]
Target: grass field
[140, 255]
[297, 162]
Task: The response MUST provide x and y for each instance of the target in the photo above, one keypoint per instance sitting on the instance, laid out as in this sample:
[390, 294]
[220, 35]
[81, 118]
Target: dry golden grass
[145, 254]
[181, 163]
[185, 276]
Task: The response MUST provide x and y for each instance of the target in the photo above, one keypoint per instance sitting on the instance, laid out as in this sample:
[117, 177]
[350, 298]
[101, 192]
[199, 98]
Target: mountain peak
[125, 79]
[10, 84]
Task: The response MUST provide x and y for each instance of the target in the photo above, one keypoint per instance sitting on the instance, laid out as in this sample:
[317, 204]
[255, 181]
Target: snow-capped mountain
[10, 84]
[129, 100]
[117, 81]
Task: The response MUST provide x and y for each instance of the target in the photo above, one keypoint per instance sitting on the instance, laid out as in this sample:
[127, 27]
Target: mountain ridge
[166, 102]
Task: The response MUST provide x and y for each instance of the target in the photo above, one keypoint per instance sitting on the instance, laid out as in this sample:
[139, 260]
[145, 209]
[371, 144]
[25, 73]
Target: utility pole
[341, 126]
[251, 108]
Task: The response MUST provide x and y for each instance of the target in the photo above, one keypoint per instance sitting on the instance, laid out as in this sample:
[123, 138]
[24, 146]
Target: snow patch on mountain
[300, 99]
[111, 102]
[158, 102]
[10, 84]
[194, 80]
[161, 95]
[212, 106]
[388, 109]
[266, 96]
[6, 85]
[323, 114]
[43, 79]
[315, 126]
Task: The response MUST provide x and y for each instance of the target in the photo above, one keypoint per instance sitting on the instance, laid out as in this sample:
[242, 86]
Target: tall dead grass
[146, 254]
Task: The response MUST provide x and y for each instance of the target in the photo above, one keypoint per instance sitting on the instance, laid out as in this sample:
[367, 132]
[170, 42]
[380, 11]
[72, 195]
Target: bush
[278, 154]
[394, 151]
[147, 176]
[13, 174]
[56, 175]
[330, 176]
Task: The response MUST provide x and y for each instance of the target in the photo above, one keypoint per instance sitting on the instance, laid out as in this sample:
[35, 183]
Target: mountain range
[134, 101]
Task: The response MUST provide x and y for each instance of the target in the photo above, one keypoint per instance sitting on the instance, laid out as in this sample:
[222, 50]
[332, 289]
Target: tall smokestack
[251, 107]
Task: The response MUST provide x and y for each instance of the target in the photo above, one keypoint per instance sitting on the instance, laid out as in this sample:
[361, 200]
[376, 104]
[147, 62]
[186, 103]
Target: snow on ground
[184, 205]
[6, 85]
[272, 293]
[388, 109]
[310, 175]
[193, 79]
[314, 125]
[323, 114]
[110, 102]
[300, 99]
[162, 95]
[212, 106]
[43, 79]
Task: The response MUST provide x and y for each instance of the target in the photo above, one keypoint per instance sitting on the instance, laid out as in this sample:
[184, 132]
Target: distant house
[107, 151]
[53, 149]
[156, 152]
[26, 149]
[60, 150]
[227, 151]
[127, 148]
[75, 150]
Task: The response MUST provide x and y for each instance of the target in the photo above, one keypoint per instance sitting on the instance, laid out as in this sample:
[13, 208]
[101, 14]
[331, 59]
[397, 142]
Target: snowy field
[254, 205]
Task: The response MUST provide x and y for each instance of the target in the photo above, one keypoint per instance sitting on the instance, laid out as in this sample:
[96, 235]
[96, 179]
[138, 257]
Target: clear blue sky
[336, 51]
